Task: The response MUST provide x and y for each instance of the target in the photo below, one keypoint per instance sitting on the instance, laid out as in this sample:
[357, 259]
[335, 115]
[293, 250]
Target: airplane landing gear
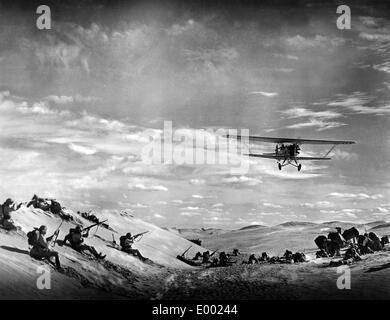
[299, 167]
[279, 166]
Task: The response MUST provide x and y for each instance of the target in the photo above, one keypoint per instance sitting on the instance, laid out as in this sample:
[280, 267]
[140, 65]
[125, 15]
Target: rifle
[93, 225]
[182, 255]
[213, 253]
[139, 234]
[113, 239]
[56, 233]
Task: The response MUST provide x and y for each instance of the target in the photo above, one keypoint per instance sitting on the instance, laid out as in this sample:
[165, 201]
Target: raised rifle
[93, 225]
[182, 255]
[139, 234]
[55, 234]
[213, 253]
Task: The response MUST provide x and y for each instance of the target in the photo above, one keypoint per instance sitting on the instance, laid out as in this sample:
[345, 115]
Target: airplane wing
[273, 156]
[289, 140]
[312, 158]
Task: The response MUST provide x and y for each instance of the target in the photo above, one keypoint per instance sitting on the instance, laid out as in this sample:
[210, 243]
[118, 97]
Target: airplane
[287, 149]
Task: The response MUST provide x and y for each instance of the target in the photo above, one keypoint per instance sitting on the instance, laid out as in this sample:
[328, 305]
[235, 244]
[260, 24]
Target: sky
[80, 103]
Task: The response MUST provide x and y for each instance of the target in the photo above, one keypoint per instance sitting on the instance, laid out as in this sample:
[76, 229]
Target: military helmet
[128, 235]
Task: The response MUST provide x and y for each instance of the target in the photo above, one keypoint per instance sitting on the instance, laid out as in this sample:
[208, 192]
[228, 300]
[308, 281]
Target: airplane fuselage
[289, 151]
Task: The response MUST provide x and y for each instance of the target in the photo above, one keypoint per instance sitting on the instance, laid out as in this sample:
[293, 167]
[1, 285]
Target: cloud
[197, 181]
[81, 149]
[340, 214]
[138, 205]
[357, 103]
[158, 216]
[271, 205]
[317, 119]
[320, 124]
[180, 29]
[318, 204]
[144, 184]
[358, 196]
[298, 112]
[189, 214]
[269, 213]
[384, 67]
[286, 56]
[265, 94]
[369, 21]
[241, 180]
[374, 37]
[178, 201]
[350, 214]
[191, 208]
[343, 155]
[70, 99]
[380, 211]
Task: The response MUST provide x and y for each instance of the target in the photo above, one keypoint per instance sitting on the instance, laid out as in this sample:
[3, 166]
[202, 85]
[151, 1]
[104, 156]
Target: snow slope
[120, 275]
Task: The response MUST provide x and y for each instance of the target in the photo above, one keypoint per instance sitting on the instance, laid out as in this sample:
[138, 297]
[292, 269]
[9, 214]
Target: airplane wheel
[299, 167]
[280, 166]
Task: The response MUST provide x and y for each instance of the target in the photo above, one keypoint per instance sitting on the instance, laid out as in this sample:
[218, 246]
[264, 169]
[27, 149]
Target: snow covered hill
[120, 275]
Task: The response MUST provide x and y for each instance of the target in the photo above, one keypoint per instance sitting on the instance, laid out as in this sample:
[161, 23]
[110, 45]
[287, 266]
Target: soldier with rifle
[75, 239]
[40, 245]
[126, 243]
[206, 256]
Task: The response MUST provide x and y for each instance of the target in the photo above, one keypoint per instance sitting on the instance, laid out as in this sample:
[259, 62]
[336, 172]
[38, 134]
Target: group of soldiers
[358, 244]
[51, 205]
[223, 260]
[288, 257]
[10, 206]
[41, 246]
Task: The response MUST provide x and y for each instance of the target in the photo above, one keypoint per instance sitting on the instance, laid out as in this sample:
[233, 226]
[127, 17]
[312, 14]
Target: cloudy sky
[80, 102]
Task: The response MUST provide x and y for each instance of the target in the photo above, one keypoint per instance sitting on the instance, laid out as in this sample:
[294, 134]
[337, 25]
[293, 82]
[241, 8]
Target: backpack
[32, 237]
[122, 241]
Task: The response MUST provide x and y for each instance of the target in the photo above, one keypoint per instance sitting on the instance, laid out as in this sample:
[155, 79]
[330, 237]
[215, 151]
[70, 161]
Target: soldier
[264, 257]
[197, 256]
[384, 240]
[376, 242]
[236, 252]
[252, 259]
[5, 214]
[126, 243]
[322, 254]
[352, 253]
[206, 257]
[35, 201]
[288, 255]
[299, 257]
[365, 244]
[40, 247]
[75, 239]
[223, 259]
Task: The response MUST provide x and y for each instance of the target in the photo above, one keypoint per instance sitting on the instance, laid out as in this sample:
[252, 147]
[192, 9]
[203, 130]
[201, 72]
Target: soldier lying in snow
[49, 205]
[75, 239]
